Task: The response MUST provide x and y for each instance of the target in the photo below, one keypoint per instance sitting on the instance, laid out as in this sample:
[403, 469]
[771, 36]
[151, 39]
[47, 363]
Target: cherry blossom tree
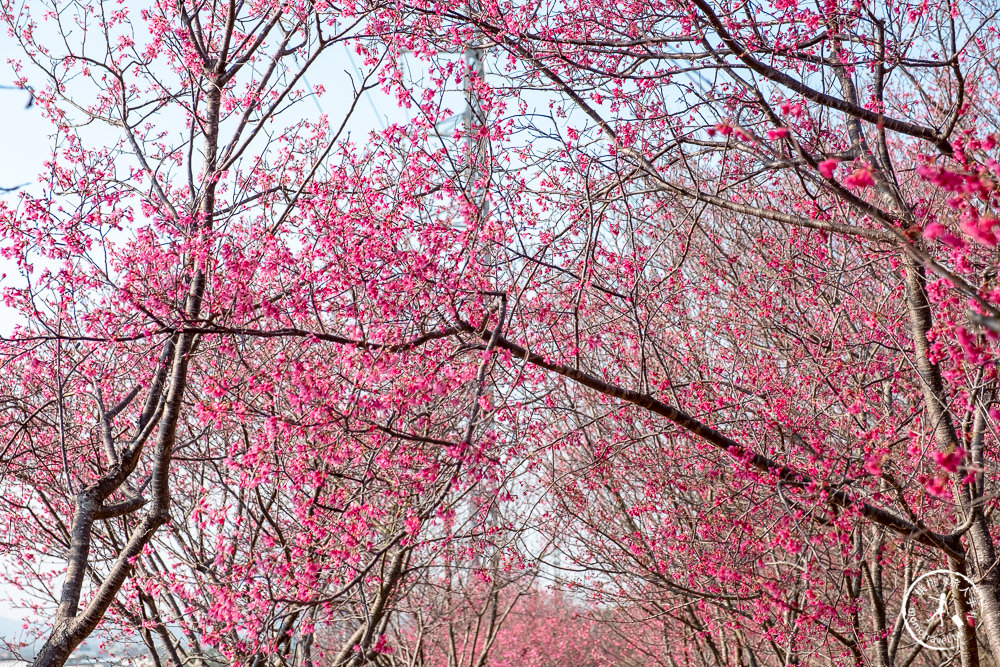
[694, 314]
[773, 270]
[194, 468]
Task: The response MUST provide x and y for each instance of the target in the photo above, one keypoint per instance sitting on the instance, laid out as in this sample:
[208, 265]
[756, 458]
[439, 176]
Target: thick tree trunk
[981, 555]
[71, 628]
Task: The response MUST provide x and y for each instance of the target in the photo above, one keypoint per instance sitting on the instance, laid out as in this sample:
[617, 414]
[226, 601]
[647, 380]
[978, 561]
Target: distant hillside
[11, 631]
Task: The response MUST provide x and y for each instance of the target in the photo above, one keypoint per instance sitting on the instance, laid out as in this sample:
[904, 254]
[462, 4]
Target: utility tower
[478, 147]
[476, 189]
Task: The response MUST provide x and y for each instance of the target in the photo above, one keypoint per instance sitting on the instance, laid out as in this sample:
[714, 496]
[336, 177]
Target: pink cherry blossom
[827, 168]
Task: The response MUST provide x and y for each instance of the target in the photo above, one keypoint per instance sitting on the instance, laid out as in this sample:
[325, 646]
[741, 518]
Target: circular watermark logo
[931, 610]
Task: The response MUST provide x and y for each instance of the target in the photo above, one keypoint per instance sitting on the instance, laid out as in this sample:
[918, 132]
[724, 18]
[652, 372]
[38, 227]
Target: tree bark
[981, 555]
